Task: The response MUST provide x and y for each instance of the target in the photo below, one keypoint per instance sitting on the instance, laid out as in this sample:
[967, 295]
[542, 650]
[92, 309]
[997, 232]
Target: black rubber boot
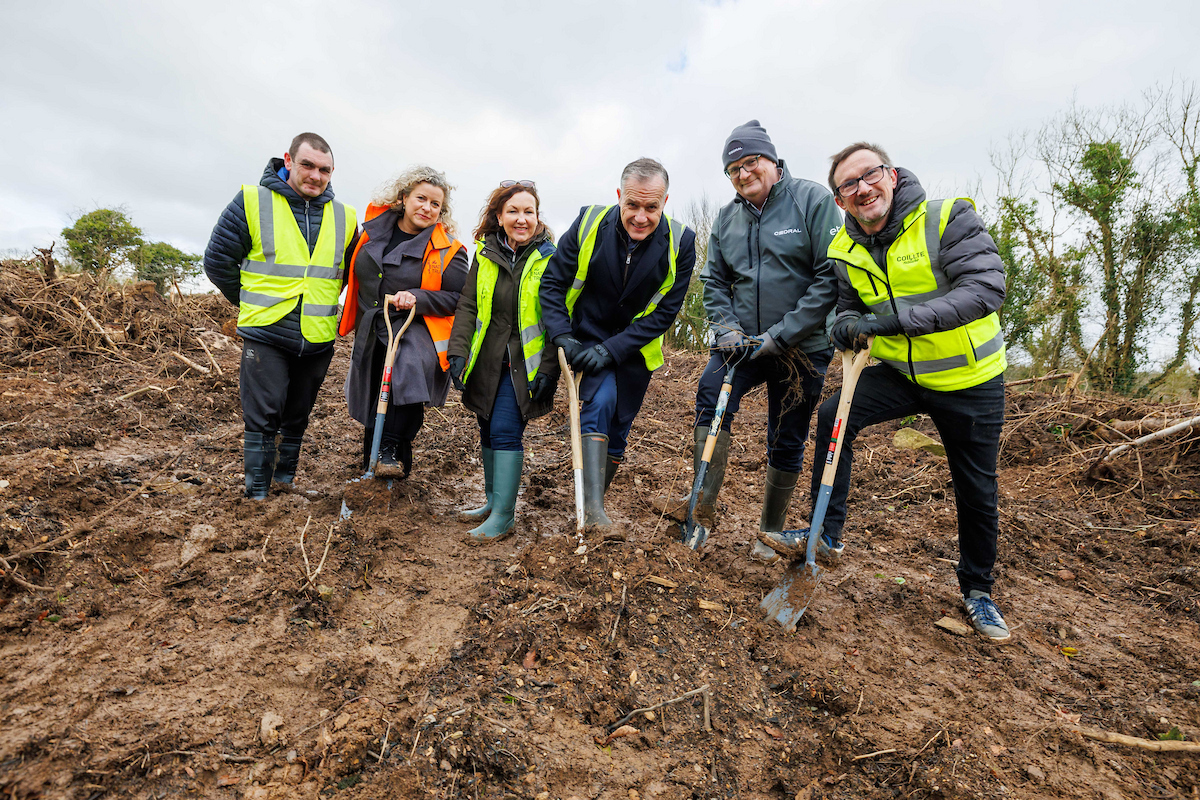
[258, 456]
[611, 464]
[595, 456]
[289, 458]
[777, 497]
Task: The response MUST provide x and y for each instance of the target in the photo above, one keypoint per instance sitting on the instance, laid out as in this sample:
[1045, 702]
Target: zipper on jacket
[752, 249]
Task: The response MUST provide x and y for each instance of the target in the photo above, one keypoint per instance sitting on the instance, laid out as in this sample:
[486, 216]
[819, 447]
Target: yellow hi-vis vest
[959, 358]
[529, 307]
[588, 227]
[279, 269]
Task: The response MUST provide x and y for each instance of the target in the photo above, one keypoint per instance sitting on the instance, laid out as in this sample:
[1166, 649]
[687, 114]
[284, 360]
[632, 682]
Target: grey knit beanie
[748, 140]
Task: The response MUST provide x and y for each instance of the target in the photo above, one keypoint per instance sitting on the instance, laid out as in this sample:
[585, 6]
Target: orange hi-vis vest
[438, 253]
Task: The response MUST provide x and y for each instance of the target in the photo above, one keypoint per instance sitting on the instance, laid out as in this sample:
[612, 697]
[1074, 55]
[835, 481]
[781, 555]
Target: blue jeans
[969, 422]
[789, 407]
[611, 399]
[505, 428]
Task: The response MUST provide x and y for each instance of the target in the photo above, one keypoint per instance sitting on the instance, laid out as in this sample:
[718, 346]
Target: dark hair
[489, 217]
[841, 155]
[312, 140]
[645, 169]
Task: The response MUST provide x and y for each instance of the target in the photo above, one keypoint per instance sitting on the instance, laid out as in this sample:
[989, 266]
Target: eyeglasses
[748, 165]
[870, 178]
[525, 184]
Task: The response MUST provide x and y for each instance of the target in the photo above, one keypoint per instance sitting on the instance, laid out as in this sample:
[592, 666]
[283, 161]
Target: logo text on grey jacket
[786, 231]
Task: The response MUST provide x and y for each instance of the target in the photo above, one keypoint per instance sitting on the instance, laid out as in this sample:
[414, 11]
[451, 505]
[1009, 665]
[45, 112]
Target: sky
[165, 109]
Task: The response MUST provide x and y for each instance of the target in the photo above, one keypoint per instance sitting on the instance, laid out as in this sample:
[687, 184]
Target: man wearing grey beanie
[769, 288]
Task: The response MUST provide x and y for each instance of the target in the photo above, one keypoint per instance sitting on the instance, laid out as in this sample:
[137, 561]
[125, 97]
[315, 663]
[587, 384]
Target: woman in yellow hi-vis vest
[408, 252]
[921, 281]
[499, 355]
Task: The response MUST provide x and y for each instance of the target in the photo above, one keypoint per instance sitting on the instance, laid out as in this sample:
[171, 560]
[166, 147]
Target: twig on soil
[8, 571]
[1149, 437]
[704, 690]
[383, 747]
[208, 352]
[876, 753]
[99, 328]
[198, 367]
[1054, 377]
[136, 392]
[1170, 745]
[612, 636]
[311, 576]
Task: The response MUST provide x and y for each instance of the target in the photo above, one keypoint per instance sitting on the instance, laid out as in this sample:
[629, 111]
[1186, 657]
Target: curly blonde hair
[393, 192]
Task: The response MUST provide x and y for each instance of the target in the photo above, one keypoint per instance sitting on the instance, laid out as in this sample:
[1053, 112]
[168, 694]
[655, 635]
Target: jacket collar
[270, 179]
[496, 248]
[379, 233]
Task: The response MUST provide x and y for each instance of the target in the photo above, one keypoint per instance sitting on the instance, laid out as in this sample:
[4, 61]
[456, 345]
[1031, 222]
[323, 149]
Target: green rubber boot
[610, 470]
[481, 513]
[706, 503]
[506, 481]
[777, 497]
[595, 457]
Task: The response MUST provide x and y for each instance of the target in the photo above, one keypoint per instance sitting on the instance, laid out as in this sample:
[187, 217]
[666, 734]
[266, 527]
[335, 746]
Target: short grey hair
[645, 169]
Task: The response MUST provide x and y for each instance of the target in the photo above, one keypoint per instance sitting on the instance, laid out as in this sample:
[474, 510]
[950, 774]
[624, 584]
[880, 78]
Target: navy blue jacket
[230, 243]
[605, 309]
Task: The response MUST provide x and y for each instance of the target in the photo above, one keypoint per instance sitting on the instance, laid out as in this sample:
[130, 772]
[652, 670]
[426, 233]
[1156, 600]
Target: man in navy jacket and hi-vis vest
[922, 281]
[610, 292]
[278, 253]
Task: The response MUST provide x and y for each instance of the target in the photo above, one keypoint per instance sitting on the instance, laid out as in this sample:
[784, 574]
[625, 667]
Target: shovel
[385, 385]
[694, 536]
[576, 437]
[788, 601]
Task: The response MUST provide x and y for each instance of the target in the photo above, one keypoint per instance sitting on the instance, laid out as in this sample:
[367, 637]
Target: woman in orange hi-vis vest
[408, 252]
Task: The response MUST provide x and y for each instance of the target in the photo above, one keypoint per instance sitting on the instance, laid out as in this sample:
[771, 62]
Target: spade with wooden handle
[788, 601]
[576, 437]
[385, 385]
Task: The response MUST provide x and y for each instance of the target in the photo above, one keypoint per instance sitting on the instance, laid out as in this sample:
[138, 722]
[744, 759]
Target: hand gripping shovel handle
[385, 385]
[576, 436]
[690, 535]
[788, 601]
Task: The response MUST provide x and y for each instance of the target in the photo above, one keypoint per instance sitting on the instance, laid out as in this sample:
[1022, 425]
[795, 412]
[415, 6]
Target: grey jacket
[502, 340]
[968, 257]
[770, 272]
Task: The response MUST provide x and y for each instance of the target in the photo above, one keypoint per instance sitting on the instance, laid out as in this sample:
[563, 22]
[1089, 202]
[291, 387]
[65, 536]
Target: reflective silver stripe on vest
[589, 218]
[311, 310]
[907, 301]
[577, 284]
[933, 235]
[259, 299]
[442, 346]
[268, 266]
[533, 362]
[988, 348]
[930, 366]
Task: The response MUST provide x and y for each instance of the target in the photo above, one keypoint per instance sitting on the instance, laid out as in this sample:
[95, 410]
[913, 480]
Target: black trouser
[969, 421]
[400, 424]
[791, 398]
[278, 389]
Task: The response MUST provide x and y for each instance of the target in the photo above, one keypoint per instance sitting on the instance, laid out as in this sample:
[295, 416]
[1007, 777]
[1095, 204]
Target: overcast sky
[166, 108]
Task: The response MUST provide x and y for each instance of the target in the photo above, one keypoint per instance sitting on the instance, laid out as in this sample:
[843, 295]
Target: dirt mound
[342, 639]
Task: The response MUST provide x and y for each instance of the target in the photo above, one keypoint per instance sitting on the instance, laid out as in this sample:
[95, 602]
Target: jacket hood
[908, 195]
[272, 180]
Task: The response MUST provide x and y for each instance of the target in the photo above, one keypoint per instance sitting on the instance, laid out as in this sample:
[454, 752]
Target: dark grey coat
[769, 271]
[968, 256]
[417, 377]
[502, 332]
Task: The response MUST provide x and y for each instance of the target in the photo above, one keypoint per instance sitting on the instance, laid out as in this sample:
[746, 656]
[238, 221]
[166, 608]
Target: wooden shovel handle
[852, 367]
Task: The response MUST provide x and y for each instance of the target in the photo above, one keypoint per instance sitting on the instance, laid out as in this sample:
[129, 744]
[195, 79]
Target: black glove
[865, 328]
[733, 346]
[841, 332]
[593, 360]
[541, 391]
[457, 365]
[571, 346]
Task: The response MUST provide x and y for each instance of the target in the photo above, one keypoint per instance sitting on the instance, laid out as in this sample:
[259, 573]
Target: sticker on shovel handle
[833, 441]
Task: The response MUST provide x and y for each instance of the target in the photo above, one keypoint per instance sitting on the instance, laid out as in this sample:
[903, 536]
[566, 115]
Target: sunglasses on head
[526, 184]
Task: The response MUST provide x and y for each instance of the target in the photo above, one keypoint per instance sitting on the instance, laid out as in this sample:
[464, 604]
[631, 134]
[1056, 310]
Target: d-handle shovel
[385, 385]
[788, 601]
[576, 436]
[694, 536]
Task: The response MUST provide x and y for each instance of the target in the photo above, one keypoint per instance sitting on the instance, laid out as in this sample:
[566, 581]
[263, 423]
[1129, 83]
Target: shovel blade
[788, 601]
[694, 534]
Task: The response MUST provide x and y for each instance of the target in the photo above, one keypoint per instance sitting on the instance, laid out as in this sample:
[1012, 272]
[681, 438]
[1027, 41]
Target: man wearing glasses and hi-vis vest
[921, 280]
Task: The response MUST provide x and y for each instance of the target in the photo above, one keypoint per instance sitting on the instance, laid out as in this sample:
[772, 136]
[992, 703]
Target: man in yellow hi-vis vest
[922, 280]
[278, 253]
[609, 293]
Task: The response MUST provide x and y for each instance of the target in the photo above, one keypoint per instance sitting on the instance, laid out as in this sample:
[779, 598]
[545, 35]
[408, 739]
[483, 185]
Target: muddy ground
[182, 649]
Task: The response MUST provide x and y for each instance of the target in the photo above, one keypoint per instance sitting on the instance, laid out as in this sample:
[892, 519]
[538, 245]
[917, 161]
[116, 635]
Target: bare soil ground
[181, 649]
